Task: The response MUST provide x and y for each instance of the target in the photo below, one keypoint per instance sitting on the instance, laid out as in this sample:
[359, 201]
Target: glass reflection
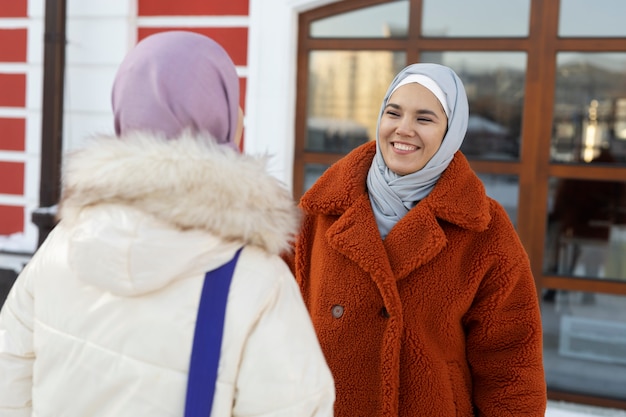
[585, 343]
[589, 108]
[505, 190]
[389, 20]
[454, 18]
[344, 95]
[600, 18]
[311, 174]
[495, 83]
[586, 234]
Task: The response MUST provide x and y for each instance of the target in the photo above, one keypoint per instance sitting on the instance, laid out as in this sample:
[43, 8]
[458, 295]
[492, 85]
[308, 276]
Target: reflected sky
[592, 18]
[462, 18]
[470, 18]
[367, 22]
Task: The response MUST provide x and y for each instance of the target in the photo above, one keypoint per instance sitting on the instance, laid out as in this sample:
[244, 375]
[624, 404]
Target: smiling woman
[427, 272]
[545, 85]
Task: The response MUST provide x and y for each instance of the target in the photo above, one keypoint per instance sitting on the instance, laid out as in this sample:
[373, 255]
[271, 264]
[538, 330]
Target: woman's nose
[405, 127]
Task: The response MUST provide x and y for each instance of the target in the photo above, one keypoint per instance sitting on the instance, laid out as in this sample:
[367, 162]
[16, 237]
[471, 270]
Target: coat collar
[189, 183]
[459, 198]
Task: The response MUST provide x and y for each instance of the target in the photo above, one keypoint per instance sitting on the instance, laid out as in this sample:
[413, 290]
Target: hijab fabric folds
[392, 195]
[177, 81]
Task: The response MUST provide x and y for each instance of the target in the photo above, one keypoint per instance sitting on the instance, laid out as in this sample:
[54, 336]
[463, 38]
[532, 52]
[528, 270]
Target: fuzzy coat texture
[441, 319]
[101, 321]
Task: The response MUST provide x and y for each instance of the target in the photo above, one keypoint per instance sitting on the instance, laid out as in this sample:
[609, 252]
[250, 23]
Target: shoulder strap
[207, 340]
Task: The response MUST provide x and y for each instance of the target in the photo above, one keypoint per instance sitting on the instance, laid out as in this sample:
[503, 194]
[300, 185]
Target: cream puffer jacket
[101, 321]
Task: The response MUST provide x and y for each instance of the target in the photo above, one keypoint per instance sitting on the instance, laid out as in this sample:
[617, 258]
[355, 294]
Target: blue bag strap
[207, 340]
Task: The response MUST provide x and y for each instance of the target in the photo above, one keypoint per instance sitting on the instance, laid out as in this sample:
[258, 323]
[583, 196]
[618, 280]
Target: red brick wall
[12, 174]
[13, 43]
[11, 219]
[192, 8]
[13, 8]
[13, 87]
[13, 50]
[234, 40]
[13, 134]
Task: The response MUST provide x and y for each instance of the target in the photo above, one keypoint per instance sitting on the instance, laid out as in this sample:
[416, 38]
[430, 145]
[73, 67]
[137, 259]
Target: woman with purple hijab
[101, 321]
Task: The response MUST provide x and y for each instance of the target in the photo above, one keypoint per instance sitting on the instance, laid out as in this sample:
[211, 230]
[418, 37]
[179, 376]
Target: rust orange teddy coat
[440, 319]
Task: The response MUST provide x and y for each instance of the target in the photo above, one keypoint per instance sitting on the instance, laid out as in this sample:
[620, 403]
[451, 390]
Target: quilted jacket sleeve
[16, 348]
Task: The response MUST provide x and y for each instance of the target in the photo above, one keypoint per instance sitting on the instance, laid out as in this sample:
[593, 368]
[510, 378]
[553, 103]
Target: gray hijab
[392, 195]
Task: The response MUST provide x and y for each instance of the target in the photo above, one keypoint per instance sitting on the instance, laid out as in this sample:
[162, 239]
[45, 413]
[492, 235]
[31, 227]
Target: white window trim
[271, 85]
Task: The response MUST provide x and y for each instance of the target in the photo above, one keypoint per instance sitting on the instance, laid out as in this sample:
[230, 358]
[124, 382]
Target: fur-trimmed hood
[160, 197]
[190, 183]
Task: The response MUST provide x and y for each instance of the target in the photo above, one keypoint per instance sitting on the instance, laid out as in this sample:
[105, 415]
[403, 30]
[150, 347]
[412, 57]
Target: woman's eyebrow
[427, 111]
[418, 111]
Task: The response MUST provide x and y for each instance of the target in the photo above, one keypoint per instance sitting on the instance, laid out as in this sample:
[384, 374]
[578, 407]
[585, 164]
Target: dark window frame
[533, 168]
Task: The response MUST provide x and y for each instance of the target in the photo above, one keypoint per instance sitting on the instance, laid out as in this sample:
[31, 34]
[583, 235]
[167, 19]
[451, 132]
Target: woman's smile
[404, 147]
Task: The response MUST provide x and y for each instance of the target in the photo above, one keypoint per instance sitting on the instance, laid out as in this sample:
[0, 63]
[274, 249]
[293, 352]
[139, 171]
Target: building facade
[546, 81]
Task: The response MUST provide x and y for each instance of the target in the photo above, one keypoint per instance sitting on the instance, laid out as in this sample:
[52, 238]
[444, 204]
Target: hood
[143, 210]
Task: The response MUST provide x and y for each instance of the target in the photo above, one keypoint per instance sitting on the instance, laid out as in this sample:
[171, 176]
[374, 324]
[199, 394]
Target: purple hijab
[176, 81]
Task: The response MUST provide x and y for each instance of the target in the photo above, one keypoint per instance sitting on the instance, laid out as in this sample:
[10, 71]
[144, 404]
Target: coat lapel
[414, 241]
[355, 235]
[417, 238]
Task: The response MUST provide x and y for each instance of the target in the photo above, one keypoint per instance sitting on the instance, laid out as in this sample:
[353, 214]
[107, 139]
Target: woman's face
[411, 128]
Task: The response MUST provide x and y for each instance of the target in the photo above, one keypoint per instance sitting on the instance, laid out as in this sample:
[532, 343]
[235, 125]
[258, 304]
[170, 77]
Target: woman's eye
[392, 113]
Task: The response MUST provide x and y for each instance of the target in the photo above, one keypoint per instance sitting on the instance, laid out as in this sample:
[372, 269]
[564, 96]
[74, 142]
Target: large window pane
[454, 18]
[389, 20]
[585, 343]
[598, 18]
[345, 92]
[586, 234]
[505, 190]
[495, 83]
[590, 108]
[312, 172]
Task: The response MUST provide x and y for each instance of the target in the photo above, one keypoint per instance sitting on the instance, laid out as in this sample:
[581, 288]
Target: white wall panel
[82, 8]
[77, 127]
[99, 36]
[33, 134]
[36, 8]
[96, 41]
[271, 87]
[34, 87]
[35, 42]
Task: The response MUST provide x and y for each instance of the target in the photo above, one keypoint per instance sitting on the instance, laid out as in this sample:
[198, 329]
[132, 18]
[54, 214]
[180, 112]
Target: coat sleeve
[283, 371]
[504, 341]
[16, 347]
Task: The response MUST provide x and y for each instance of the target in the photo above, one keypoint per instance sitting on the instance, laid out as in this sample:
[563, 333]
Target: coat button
[384, 313]
[337, 311]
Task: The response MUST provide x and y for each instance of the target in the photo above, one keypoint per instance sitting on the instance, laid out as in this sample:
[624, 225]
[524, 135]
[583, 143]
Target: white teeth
[404, 147]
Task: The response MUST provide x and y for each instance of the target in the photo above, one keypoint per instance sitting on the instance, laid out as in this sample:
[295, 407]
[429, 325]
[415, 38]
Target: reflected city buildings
[583, 214]
[345, 92]
[589, 108]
